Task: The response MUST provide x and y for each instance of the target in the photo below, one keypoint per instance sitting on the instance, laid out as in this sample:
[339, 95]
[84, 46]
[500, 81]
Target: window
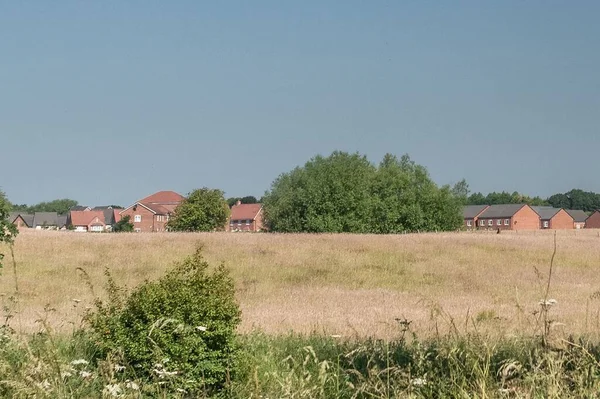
[247, 222]
[137, 218]
[239, 221]
[545, 224]
[482, 223]
[507, 222]
[498, 222]
[160, 218]
[469, 223]
[490, 222]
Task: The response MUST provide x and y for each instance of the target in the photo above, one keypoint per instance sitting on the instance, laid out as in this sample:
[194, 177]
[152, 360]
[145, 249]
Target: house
[554, 218]
[579, 218]
[80, 208]
[508, 217]
[22, 221]
[83, 221]
[471, 213]
[151, 214]
[245, 217]
[593, 222]
[47, 221]
[111, 215]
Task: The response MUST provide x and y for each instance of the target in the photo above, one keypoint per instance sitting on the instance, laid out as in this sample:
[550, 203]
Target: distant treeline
[575, 199]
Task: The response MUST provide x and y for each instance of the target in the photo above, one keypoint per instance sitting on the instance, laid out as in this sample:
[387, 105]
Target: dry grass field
[337, 284]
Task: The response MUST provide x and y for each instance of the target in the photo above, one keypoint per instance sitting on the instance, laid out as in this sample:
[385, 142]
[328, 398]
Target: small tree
[203, 210]
[8, 231]
[124, 225]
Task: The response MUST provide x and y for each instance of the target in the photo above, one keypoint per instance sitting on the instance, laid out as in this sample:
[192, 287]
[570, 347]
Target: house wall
[525, 219]
[578, 225]
[504, 224]
[146, 225]
[593, 222]
[20, 223]
[562, 221]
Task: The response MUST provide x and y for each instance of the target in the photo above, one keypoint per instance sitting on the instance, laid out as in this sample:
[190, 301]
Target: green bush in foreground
[179, 329]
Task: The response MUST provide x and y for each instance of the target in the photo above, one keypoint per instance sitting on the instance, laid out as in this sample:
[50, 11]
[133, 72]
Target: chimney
[238, 202]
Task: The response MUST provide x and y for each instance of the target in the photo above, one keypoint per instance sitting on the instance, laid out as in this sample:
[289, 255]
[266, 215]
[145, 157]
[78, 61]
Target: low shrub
[178, 330]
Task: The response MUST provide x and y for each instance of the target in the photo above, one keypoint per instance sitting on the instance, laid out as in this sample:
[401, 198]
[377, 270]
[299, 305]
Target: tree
[60, 206]
[124, 225]
[345, 193]
[8, 231]
[504, 197]
[244, 200]
[461, 191]
[576, 199]
[203, 210]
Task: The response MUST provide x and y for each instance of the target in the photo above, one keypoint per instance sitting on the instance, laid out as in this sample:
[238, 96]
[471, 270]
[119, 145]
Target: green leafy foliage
[60, 206]
[123, 226]
[576, 199]
[180, 328]
[504, 197]
[250, 199]
[203, 210]
[8, 231]
[346, 193]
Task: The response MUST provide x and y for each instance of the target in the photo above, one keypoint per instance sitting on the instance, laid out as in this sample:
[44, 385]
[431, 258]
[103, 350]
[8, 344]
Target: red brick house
[579, 218]
[593, 222]
[471, 214]
[151, 214]
[83, 221]
[245, 217]
[509, 217]
[554, 218]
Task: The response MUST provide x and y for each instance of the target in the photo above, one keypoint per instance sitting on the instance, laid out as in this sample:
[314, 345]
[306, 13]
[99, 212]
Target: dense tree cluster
[60, 206]
[576, 199]
[203, 210]
[8, 231]
[249, 199]
[345, 193]
[504, 197]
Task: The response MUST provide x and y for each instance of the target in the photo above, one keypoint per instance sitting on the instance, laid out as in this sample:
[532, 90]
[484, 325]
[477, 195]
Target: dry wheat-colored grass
[337, 284]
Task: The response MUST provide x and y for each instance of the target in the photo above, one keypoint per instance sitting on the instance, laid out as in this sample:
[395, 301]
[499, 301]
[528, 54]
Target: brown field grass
[337, 284]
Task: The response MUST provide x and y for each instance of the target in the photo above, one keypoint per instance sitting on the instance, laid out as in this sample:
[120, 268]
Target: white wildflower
[336, 336]
[132, 385]
[85, 374]
[181, 390]
[201, 328]
[166, 360]
[78, 362]
[418, 382]
[118, 367]
[76, 300]
[548, 303]
[158, 366]
[113, 389]
[65, 374]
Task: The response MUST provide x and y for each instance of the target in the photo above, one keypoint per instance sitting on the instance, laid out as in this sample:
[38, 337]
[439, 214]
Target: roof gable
[84, 218]
[472, 211]
[546, 212]
[578, 216]
[245, 211]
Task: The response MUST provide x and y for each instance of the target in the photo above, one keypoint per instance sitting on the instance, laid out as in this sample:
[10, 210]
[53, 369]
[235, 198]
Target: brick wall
[525, 219]
[149, 221]
[593, 222]
[562, 221]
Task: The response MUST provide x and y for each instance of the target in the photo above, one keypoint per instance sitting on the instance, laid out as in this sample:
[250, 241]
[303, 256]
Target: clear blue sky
[108, 101]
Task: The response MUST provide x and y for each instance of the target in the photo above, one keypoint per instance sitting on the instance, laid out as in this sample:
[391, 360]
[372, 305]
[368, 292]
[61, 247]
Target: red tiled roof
[117, 214]
[157, 208]
[85, 218]
[245, 211]
[162, 197]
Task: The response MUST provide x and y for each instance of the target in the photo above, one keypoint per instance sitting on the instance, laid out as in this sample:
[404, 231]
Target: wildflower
[548, 303]
[65, 374]
[118, 367]
[85, 374]
[336, 336]
[201, 328]
[78, 362]
[76, 300]
[181, 390]
[113, 389]
[419, 382]
[132, 385]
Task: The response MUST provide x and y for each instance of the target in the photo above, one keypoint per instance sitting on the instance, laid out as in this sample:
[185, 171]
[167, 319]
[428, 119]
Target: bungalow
[21, 220]
[245, 217]
[509, 217]
[47, 221]
[83, 221]
[579, 218]
[593, 222]
[471, 213]
[152, 213]
[554, 218]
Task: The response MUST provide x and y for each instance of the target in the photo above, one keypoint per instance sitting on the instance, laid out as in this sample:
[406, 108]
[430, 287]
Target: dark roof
[471, 211]
[45, 219]
[578, 216]
[61, 221]
[78, 208]
[12, 216]
[545, 212]
[28, 219]
[109, 215]
[501, 211]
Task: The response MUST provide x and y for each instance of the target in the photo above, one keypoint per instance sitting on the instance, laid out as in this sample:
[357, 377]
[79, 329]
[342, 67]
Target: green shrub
[179, 330]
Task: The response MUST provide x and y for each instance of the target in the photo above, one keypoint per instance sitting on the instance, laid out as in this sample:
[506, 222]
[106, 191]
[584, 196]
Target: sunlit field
[349, 285]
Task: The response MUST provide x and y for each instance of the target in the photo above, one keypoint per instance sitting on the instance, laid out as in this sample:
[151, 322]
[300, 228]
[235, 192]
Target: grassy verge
[318, 366]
